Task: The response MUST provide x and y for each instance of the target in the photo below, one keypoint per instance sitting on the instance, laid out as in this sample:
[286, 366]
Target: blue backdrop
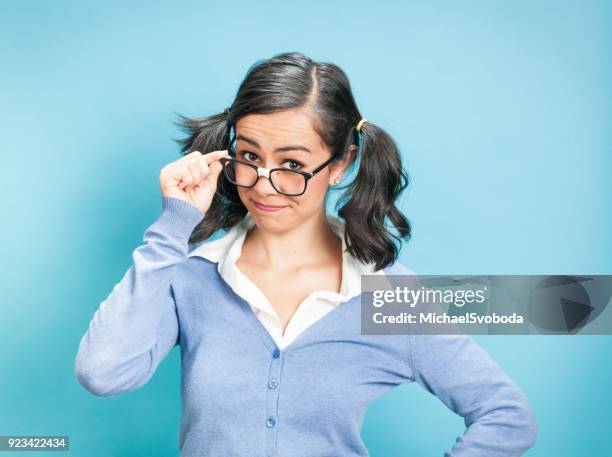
[502, 111]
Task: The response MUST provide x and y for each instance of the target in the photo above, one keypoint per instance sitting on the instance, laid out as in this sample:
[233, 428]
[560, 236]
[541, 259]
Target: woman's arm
[135, 328]
[499, 420]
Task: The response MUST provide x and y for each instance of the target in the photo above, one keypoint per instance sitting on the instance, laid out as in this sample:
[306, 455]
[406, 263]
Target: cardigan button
[276, 353]
[270, 421]
[273, 384]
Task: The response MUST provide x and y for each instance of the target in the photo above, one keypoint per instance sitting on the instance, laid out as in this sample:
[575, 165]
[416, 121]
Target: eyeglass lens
[286, 182]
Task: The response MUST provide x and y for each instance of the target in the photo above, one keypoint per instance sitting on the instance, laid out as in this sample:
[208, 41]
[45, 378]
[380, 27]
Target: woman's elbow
[92, 383]
[511, 423]
[520, 428]
[529, 426]
[104, 375]
[91, 378]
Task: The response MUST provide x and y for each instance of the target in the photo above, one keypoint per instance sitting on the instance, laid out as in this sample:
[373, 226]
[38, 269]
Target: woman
[268, 316]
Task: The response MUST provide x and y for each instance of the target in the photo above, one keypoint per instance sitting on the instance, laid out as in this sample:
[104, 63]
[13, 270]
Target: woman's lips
[269, 208]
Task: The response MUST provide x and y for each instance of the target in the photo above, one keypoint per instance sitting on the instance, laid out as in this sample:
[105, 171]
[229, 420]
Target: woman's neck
[312, 242]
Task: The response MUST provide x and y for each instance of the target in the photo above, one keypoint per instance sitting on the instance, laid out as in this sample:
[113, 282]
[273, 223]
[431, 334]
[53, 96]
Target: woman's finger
[215, 155]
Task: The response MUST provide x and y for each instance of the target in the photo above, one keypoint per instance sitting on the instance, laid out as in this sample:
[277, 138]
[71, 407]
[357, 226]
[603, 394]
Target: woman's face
[257, 138]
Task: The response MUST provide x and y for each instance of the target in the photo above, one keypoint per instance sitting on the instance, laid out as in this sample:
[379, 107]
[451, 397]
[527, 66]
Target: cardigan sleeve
[499, 420]
[136, 326]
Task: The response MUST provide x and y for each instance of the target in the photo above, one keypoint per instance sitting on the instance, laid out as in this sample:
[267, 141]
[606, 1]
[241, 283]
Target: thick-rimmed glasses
[285, 181]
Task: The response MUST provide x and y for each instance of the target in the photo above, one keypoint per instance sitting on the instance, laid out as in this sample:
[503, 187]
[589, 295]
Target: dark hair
[292, 80]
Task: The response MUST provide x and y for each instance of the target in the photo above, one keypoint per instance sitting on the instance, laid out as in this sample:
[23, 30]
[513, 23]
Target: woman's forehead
[279, 129]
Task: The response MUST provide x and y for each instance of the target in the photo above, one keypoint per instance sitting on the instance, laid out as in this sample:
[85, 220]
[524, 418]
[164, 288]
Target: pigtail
[206, 135]
[370, 200]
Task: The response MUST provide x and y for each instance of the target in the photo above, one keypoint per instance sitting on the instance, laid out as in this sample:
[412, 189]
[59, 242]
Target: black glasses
[285, 181]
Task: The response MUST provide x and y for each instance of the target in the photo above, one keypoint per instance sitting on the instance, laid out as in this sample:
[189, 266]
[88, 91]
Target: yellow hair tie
[358, 128]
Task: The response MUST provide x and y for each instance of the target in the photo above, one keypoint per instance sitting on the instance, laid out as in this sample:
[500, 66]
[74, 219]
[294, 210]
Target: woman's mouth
[267, 208]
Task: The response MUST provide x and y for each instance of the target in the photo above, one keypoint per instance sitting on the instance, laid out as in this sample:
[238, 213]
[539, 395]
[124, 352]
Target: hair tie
[361, 122]
[226, 112]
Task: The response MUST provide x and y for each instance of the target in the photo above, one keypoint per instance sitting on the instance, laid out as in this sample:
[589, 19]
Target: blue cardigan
[242, 396]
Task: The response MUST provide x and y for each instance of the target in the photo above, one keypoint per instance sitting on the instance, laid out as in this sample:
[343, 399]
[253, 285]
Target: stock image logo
[512, 304]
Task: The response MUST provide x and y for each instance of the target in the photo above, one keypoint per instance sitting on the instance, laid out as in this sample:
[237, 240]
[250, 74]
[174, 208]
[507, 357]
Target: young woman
[267, 316]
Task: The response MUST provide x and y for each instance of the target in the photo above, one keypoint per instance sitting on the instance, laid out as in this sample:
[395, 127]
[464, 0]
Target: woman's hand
[193, 178]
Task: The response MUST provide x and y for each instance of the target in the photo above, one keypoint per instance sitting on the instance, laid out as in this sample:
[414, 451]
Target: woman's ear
[340, 166]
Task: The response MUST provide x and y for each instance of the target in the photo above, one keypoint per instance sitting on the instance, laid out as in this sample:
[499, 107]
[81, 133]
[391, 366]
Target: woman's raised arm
[135, 328]
[137, 325]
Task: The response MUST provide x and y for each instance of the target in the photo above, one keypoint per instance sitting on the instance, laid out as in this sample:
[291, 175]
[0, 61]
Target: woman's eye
[248, 155]
[295, 164]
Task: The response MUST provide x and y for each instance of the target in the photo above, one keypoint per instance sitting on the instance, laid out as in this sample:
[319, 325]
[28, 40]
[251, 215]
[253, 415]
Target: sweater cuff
[179, 217]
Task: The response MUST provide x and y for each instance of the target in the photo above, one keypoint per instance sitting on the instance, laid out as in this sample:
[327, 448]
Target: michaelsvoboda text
[444, 318]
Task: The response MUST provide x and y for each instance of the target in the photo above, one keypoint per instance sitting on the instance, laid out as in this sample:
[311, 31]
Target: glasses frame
[267, 172]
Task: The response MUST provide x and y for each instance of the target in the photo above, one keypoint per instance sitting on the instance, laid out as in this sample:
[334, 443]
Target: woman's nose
[263, 184]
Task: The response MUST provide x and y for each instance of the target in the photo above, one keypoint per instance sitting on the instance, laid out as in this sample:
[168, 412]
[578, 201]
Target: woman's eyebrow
[281, 149]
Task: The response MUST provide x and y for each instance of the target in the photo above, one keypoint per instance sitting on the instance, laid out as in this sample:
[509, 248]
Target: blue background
[501, 110]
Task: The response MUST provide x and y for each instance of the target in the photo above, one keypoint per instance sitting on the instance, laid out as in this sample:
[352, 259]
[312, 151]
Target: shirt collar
[227, 249]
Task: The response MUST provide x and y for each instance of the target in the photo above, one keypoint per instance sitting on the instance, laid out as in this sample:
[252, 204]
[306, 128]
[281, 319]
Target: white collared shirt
[226, 251]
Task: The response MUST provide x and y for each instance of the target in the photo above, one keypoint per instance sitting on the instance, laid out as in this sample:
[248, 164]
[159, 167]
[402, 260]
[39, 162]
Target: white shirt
[226, 251]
